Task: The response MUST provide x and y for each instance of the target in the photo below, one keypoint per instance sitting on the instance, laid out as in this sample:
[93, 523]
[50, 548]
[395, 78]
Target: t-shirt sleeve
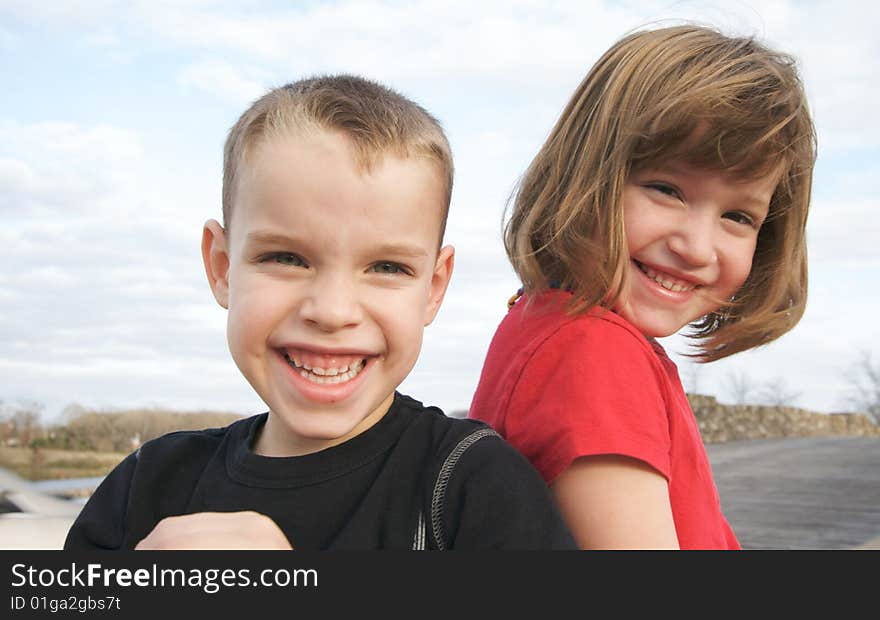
[496, 500]
[101, 522]
[592, 387]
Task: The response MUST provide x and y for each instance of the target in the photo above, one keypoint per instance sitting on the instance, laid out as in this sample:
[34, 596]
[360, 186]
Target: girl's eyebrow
[676, 169]
[755, 200]
[673, 167]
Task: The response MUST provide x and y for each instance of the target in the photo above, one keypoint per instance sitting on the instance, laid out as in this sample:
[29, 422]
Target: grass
[50, 464]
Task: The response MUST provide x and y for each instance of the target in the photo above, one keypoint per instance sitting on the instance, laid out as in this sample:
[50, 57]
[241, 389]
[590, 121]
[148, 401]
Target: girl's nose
[331, 303]
[694, 240]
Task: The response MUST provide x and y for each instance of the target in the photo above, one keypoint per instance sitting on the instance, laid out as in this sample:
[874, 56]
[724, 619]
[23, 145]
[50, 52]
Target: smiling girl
[673, 191]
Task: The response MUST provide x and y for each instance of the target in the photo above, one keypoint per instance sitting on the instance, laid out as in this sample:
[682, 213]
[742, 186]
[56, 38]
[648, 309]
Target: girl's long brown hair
[689, 94]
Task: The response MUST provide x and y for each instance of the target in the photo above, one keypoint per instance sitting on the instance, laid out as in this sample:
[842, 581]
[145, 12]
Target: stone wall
[719, 423]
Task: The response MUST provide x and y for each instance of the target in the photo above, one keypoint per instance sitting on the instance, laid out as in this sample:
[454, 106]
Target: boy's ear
[439, 282]
[216, 258]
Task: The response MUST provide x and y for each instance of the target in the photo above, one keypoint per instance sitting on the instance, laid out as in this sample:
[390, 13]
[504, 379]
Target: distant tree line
[861, 378]
[98, 430]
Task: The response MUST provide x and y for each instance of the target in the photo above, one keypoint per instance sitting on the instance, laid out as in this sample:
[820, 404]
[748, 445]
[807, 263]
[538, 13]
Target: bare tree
[863, 378]
[776, 393]
[22, 422]
[740, 387]
[71, 412]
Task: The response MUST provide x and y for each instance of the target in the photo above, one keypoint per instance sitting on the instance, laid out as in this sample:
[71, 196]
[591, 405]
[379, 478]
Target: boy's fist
[216, 530]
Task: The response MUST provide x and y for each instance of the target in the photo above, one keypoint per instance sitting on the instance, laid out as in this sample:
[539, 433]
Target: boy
[330, 264]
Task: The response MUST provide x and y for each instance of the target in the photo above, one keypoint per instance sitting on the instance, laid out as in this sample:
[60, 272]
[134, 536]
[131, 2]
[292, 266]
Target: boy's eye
[388, 267]
[284, 258]
[740, 218]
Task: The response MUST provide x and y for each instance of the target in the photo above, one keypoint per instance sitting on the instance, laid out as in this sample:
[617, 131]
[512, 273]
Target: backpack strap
[438, 497]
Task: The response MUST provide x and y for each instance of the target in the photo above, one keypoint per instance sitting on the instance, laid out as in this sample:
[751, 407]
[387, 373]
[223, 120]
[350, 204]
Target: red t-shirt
[559, 387]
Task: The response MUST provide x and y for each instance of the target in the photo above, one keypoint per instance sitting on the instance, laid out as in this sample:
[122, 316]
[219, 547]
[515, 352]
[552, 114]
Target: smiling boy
[330, 263]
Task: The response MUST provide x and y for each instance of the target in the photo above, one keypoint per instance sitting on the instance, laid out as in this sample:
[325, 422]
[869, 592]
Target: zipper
[439, 496]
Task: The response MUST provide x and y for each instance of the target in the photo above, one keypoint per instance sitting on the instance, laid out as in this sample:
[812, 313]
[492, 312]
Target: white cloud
[843, 231]
[9, 41]
[67, 11]
[240, 85]
[525, 46]
[53, 167]
[837, 49]
[101, 263]
[96, 288]
[103, 39]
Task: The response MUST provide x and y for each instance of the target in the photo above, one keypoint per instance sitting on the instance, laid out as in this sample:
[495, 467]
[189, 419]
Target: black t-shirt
[366, 493]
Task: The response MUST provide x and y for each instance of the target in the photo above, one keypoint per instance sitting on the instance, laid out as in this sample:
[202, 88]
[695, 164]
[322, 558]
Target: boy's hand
[216, 530]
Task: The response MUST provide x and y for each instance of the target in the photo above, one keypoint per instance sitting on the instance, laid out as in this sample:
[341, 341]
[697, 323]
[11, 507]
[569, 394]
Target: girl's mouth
[665, 280]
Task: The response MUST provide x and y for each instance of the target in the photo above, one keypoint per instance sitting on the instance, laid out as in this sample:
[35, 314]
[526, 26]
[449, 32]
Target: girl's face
[691, 235]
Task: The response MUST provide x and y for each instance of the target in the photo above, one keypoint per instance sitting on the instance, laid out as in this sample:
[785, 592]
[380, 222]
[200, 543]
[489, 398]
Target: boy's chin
[296, 440]
[300, 432]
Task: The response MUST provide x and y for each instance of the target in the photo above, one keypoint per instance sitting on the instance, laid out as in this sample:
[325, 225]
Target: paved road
[821, 493]
[816, 493]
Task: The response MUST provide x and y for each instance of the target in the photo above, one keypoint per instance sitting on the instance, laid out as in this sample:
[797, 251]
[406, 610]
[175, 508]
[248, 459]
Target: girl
[672, 191]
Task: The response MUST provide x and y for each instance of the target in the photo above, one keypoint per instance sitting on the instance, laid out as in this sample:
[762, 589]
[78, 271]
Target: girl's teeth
[669, 284]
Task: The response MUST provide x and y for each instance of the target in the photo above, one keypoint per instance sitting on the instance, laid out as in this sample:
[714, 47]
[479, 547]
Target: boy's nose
[331, 304]
[694, 241]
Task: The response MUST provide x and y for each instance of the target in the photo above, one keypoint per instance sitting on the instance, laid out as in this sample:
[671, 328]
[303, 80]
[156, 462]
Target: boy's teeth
[317, 374]
[329, 371]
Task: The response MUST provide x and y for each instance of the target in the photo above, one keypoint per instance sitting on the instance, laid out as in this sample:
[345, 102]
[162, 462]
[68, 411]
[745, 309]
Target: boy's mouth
[665, 280]
[324, 369]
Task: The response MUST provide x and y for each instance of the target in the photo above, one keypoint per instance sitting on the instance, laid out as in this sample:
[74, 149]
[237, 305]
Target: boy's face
[330, 275]
[691, 236]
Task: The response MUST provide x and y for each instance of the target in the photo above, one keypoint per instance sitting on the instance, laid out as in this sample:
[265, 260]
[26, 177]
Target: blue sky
[114, 115]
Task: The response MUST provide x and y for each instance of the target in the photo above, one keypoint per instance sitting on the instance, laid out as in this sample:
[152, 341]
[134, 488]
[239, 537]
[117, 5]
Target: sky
[113, 117]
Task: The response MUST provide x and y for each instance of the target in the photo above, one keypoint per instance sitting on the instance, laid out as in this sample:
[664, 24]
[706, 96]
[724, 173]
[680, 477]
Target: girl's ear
[439, 282]
[216, 258]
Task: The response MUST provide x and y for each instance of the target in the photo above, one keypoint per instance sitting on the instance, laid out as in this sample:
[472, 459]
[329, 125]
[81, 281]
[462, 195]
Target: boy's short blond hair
[685, 93]
[376, 120]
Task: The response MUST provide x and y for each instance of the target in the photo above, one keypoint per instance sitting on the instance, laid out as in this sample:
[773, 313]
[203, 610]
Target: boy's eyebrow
[402, 249]
[268, 238]
[394, 249]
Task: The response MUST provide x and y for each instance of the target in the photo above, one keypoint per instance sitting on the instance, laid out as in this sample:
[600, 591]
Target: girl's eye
[740, 218]
[389, 268]
[284, 258]
[665, 189]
